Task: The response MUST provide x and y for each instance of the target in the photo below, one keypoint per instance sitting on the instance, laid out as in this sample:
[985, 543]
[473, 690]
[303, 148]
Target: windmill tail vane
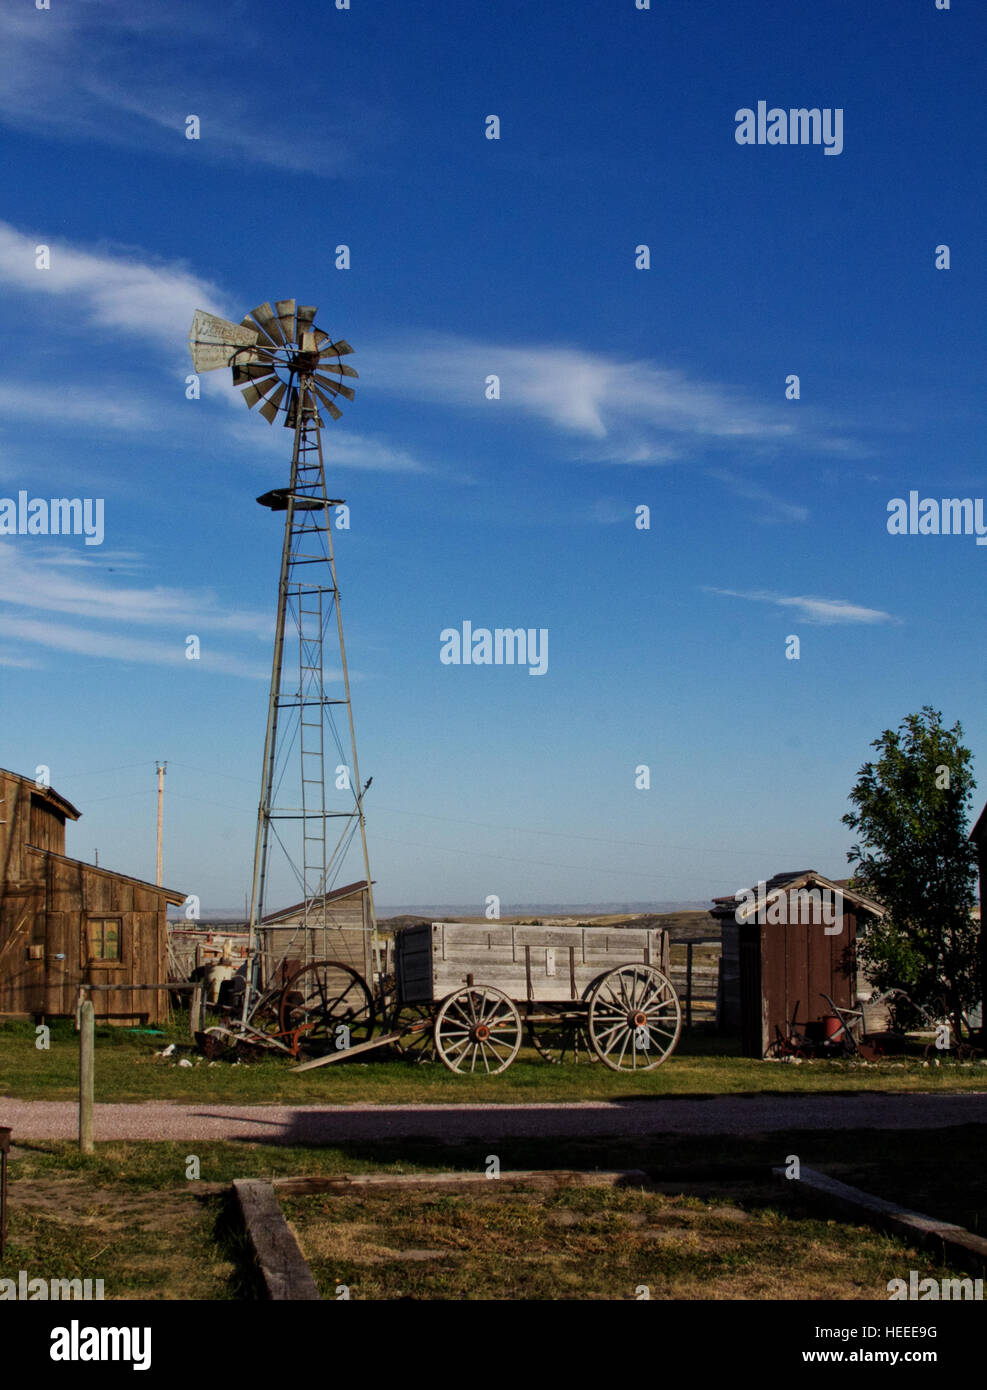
[280, 360]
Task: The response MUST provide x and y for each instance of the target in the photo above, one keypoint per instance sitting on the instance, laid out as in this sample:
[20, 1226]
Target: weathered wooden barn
[64, 923]
[285, 942]
[786, 942]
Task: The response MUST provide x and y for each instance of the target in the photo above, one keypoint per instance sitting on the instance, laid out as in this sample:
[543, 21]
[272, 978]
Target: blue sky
[619, 387]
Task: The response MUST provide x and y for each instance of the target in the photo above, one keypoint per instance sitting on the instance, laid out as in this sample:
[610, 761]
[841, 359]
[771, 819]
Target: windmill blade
[270, 323]
[305, 317]
[333, 410]
[285, 310]
[249, 372]
[335, 386]
[258, 390]
[270, 407]
[214, 341]
[332, 366]
[326, 344]
[262, 337]
[307, 343]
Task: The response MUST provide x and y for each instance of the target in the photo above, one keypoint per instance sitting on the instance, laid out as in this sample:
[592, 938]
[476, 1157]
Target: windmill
[288, 366]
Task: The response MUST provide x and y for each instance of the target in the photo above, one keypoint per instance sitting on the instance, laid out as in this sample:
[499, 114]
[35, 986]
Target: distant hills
[223, 916]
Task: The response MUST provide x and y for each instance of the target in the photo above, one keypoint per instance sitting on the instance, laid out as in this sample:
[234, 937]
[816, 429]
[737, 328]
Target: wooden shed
[338, 927]
[64, 923]
[786, 942]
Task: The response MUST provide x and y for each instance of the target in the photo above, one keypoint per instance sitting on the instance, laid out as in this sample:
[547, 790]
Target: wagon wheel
[563, 1041]
[479, 1024]
[321, 997]
[417, 1041]
[634, 1018]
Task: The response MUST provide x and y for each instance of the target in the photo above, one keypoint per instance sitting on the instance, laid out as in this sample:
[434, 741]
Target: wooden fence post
[688, 984]
[87, 1048]
[195, 1010]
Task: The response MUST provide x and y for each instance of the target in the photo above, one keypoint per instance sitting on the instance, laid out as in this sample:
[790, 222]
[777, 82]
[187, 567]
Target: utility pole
[161, 768]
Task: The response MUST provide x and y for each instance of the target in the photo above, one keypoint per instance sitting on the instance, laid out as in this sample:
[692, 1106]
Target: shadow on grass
[244, 1283]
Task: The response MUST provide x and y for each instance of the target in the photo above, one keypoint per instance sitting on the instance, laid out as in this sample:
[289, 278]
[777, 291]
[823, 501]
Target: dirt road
[325, 1124]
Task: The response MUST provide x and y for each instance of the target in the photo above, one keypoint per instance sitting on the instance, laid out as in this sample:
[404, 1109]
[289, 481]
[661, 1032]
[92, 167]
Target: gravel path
[323, 1124]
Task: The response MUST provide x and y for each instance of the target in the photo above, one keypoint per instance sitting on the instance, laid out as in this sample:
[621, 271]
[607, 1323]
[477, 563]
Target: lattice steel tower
[280, 358]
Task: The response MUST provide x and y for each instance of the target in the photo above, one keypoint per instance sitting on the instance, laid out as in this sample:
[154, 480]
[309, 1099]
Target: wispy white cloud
[113, 289]
[106, 646]
[814, 610]
[773, 508]
[129, 75]
[83, 591]
[634, 412]
[72, 406]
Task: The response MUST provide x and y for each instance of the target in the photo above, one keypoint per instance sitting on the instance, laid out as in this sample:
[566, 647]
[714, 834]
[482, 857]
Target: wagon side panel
[530, 964]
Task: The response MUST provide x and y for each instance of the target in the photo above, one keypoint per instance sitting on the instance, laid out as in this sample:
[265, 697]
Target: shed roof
[790, 881]
[170, 895]
[979, 832]
[348, 890]
[48, 794]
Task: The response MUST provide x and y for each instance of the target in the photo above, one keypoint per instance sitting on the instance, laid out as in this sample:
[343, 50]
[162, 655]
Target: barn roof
[48, 794]
[348, 890]
[170, 895]
[979, 832]
[793, 880]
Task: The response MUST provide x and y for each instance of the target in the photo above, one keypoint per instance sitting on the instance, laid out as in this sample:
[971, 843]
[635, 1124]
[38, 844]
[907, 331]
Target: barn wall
[46, 920]
[15, 830]
[46, 828]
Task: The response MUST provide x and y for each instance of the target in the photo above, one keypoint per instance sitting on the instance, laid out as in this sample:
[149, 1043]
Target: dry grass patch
[149, 1244]
[585, 1244]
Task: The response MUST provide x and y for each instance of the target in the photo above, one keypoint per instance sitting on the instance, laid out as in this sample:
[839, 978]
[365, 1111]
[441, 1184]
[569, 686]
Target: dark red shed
[785, 943]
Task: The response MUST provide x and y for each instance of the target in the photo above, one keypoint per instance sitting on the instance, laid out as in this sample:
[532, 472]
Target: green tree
[916, 859]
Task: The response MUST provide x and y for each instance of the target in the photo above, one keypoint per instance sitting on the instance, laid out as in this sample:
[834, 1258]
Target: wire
[103, 771]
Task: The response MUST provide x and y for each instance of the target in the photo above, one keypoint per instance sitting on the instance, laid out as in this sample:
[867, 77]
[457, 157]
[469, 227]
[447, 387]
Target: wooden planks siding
[548, 964]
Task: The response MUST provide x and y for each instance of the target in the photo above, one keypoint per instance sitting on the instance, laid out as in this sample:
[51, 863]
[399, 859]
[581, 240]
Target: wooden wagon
[469, 993]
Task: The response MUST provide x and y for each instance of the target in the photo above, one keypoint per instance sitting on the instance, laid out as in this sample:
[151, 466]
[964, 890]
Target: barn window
[103, 935]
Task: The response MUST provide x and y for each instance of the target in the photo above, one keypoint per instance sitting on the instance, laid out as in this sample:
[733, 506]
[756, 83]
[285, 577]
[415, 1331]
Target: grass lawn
[717, 1225]
[703, 1065]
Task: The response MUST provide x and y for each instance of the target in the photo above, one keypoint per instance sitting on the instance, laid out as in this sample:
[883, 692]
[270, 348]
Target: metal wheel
[417, 1042]
[478, 1025]
[320, 998]
[634, 1018]
[563, 1039]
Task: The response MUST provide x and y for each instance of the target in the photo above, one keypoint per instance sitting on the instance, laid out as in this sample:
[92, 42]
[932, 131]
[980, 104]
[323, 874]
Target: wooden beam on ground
[952, 1244]
[548, 1179]
[282, 1266]
[347, 1052]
